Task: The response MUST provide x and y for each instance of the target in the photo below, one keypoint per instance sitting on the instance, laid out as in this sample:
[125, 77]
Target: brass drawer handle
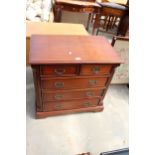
[59, 71]
[59, 84]
[87, 104]
[96, 69]
[58, 96]
[89, 94]
[92, 82]
[57, 106]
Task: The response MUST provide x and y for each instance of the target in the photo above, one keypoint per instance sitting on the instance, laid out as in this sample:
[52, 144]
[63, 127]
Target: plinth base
[61, 112]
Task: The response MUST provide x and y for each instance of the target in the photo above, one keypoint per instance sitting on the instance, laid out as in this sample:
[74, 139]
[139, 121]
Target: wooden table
[74, 6]
[51, 28]
[111, 11]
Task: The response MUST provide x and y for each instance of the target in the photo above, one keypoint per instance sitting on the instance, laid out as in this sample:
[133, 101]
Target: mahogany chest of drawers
[71, 73]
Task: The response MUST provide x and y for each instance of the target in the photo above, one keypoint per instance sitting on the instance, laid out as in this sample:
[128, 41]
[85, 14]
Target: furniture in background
[88, 7]
[121, 45]
[124, 24]
[71, 73]
[109, 17]
[51, 29]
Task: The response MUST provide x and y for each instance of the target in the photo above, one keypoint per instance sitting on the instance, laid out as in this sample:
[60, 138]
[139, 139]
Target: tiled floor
[77, 133]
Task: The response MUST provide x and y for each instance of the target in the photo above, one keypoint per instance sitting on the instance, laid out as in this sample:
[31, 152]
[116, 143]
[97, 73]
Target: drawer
[95, 69]
[58, 70]
[75, 104]
[69, 95]
[112, 11]
[73, 83]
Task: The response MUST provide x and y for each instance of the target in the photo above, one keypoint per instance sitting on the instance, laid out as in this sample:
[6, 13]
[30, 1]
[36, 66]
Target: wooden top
[57, 49]
[54, 28]
[74, 2]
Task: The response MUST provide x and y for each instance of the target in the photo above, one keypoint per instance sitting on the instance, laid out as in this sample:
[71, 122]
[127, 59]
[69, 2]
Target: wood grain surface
[56, 49]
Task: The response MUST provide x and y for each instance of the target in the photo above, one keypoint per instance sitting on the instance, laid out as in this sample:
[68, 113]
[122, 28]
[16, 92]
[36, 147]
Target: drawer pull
[89, 94]
[92, 82]
[57, 106]
[59, 71]
[96, 69]
[59, 84]
[87, 104]
[58, 96]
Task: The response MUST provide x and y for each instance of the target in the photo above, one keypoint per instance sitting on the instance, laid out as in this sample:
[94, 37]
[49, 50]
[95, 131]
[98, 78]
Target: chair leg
[108, 22]
[105, 22]
[114, 21]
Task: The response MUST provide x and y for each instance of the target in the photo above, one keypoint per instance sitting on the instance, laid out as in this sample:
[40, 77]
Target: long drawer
[73, 83]
[75, 104]
[71, 94]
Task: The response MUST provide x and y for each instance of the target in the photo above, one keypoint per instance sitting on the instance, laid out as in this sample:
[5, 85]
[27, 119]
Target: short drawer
[75, 104]
[95, 69]
[73, 83]
[69, 95]
[58, 70]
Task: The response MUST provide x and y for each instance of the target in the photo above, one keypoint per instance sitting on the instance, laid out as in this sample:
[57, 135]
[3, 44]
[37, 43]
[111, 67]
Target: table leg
[88, 22]
[57, 14]
[96, 23]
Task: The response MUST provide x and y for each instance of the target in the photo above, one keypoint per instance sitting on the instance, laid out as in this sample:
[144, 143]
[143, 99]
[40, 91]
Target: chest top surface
[57, 49]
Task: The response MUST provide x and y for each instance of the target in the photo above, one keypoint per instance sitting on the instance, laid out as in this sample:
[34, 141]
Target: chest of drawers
[71, 73]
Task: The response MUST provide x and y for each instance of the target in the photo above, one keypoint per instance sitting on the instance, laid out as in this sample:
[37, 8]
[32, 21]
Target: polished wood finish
[70, 111]
[64, 84]
[82, 6]
[71, 94]
[73, 83]
[74, 50]
[59, 70]
[51, 29]
[73, 104]
[95, 69]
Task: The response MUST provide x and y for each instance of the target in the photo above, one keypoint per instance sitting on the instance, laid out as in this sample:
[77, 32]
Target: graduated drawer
[71, 94]
[58, 70]
[72, 83]
[95, 69]
[75, 104]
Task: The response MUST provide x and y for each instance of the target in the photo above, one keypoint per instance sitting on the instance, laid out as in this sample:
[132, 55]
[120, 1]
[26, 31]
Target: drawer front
[95, 69]
[53, 106]
[111, 11]
[73, 83]
[59, 70]
[69, 95]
